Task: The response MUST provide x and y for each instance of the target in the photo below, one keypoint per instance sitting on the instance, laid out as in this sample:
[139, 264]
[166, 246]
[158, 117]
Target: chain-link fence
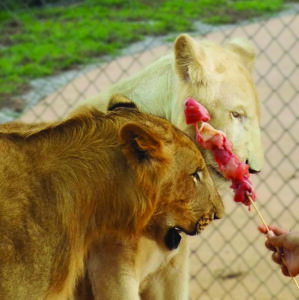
[228, 260]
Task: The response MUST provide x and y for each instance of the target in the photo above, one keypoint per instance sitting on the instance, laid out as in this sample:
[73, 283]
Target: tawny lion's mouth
[201, 224]
[173, 238]
[204, 222]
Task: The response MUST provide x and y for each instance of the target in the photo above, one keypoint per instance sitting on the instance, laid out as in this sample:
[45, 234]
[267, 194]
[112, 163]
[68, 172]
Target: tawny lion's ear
[245, 50]
[189, 57]
[140, 144]
[120, 100]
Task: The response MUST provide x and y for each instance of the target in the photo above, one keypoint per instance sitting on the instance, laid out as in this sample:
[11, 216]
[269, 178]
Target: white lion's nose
[252, 171]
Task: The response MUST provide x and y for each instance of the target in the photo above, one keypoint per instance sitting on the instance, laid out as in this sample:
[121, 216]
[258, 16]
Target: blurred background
[55, 54]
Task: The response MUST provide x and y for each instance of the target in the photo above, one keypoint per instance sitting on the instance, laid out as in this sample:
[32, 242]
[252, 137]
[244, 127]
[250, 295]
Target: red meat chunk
[195, 112]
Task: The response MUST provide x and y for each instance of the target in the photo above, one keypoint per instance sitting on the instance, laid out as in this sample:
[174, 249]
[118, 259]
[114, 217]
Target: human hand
[285, 247]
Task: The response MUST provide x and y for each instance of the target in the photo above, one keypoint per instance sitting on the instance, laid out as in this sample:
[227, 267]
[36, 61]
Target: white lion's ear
[189, 57]
[140, 144]
[245, 50]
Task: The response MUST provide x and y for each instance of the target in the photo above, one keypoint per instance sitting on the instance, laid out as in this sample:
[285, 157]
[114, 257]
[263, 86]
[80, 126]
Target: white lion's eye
[197, 175]
[236, 115]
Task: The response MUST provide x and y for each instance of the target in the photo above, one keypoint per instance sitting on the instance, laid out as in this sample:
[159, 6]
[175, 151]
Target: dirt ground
[229, 260]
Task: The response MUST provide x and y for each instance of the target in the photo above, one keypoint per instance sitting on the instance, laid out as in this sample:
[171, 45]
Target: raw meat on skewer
[216, 141]
[229, 164]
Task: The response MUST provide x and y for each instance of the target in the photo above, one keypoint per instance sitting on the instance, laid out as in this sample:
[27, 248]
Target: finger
[263, 229]
[285, 270]
[276, 257]
[269, 246]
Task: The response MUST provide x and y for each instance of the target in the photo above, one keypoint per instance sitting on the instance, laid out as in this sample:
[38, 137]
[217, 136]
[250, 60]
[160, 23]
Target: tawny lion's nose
[216, 217]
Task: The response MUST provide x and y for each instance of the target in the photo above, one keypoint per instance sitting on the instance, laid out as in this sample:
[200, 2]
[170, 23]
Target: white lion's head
[220, 79]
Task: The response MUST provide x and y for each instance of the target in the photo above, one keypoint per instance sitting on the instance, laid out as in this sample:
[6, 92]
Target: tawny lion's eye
[236, 115]
[197, 175]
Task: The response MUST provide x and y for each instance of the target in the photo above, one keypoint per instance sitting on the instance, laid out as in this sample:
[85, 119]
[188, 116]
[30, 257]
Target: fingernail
[270, 233]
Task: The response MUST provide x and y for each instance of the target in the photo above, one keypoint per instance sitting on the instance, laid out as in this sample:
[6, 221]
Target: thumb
[277, 241]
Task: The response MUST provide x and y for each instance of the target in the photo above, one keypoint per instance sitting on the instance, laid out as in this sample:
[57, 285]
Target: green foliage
[257, 6]
[38, 42]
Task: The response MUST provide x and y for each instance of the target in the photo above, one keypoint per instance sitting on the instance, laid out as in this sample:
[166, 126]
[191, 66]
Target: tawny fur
[66, 185]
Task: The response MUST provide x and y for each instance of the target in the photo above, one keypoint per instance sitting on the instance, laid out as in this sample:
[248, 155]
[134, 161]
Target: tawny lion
[67, 185]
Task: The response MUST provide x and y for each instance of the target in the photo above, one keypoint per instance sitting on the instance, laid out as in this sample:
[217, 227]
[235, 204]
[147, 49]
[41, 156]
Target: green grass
[41, 42]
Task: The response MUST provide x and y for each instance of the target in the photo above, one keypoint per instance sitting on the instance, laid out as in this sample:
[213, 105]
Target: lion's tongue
[216, 141]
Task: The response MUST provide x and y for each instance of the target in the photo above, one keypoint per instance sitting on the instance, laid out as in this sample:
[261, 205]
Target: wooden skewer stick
[268, 230]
